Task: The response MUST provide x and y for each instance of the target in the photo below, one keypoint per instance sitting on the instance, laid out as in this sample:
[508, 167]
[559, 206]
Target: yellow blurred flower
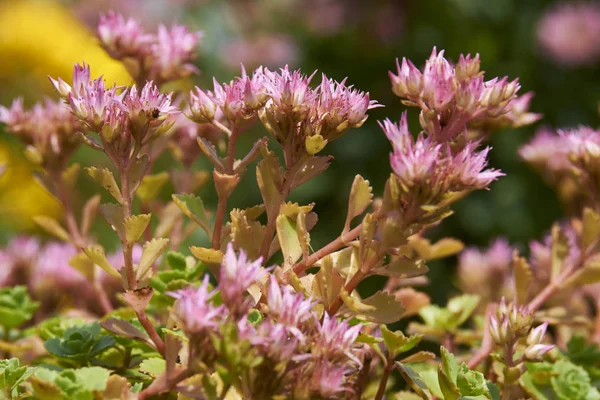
[40, 38]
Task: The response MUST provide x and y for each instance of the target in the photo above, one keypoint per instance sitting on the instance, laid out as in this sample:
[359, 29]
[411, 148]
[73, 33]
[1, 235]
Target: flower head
[569, 32]
[195, 310]
[290, 309]
[328, 380]
[432, 166]
[451, 97]
[122, 37]
[485, 272]
[334, 340]
[237, 274]
[172, 51]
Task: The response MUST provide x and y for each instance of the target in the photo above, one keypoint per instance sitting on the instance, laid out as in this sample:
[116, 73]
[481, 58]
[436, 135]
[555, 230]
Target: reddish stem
[156, 339]
[383, 383]
[361, 274]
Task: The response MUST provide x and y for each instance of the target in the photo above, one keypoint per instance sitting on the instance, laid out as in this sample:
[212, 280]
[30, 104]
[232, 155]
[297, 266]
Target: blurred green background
[361, 40]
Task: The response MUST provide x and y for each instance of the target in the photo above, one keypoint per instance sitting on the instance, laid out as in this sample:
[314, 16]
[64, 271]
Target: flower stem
[361, 274]
[389, 367]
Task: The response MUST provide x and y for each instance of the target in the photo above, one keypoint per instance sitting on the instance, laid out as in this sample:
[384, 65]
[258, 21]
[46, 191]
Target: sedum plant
[257, 312]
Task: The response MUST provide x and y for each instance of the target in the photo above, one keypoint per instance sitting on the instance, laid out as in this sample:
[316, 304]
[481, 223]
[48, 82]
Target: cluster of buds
[304, 119]
[430, 168]
[160, 57]
[452, 97]
[568, 160]
[236, 101]
[48, 128]
[513, 323]
[293, 344]
[122, 117]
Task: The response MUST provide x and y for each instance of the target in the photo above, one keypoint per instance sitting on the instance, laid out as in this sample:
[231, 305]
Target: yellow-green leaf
[106, 178]
[208, 256]
[327, 282]
[113, 213]
[591, 227]
[288, 241]
[381, 308]
[151, 186]
[445, 247]
[403, 267]
[82, 263]
[193, 207]
[89, 213]
[52, 226]
[70, 175]
[246, 234]
[137, 170]
[97, 255]
[361, 196]
[522, 274]
[315, 144]
[269, 178]
[152, 250]
[135, 226]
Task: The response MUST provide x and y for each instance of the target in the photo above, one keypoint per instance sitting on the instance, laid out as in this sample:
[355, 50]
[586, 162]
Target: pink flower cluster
[433, 167]
[161, 57]
[121, 116]
[573, 152]
[48, 126]
[314, 352]
[569, 33]
[287, 105]
[450, 97]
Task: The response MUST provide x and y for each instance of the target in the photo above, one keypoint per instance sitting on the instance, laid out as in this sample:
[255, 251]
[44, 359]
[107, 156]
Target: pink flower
[237, 274]
[334, 340]
[328, 379]
[452, 97]
[272, 339]
[52, 272]
[536, 349]
[238, 100]
[569, 33]
[432, 166]
[289, 92]
[194, 309]
[48, 126]
[172, 52]
[340, 107]
[290, 309]
[122, 37]
[547, 151]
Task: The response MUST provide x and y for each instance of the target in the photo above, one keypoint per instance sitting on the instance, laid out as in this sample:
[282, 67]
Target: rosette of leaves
[77, 384]
[562, 380]
[12, 376]
[182, 271]
[451, 380]
[16, 307]
[80, 344]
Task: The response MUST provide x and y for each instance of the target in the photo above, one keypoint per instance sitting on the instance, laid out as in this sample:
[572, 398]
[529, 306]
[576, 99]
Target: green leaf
[80, 343]
[193, 207]
[135, 226]
[12, 375]
[571, 382]
[153, 366]
[414, 380]
[92, 378]
[380, 308]
[494, 391]
[447, 386]
[176, 260]
[52, 226]
[471, 383]
[106, 178]
[16, 307]
[449, 364]
[396, 342]
[152, 250]
[462, 308]
[582, 353]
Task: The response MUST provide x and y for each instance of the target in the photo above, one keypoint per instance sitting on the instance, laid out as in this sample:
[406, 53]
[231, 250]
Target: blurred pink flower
[265, 49]
[569, 33]
[195, 310]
